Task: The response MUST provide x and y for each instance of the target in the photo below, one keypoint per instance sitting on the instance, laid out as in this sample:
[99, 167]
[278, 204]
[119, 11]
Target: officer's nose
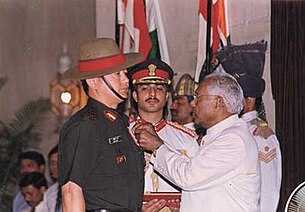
[152, 92]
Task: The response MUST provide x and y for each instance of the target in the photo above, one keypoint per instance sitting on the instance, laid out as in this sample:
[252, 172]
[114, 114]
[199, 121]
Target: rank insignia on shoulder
[116, 139]
[120, 159]
[92, 115]
[110, 115]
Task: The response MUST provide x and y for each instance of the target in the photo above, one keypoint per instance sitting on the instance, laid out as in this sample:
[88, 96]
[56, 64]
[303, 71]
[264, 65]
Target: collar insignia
[140, 120]
[110, 115]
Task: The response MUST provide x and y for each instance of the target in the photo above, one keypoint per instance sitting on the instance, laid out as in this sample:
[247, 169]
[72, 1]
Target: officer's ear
[135, 96]
[42, 168]
[42, 189]
[91, 82]
[249, 104]
[167, 96]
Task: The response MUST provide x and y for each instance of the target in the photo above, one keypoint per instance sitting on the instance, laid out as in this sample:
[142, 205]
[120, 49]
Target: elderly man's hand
[147, 136]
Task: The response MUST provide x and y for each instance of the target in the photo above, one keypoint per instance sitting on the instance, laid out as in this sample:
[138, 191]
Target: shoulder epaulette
[259, 122]
[262, 128]
[92, 115]
[182, 128]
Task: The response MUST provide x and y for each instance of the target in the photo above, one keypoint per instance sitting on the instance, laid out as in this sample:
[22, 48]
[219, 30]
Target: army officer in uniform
[100, 168]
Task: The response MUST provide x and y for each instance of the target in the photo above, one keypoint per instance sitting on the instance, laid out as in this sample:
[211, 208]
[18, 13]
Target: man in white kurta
[224, 175]
[269, 150]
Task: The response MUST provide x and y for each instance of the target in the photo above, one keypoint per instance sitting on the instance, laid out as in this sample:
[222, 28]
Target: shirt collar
[101, 107]
[158, 125]
[249, 116]
[190, 125]
[219, 127]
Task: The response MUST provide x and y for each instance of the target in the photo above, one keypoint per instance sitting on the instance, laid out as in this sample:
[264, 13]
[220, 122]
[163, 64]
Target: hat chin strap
[112, 89]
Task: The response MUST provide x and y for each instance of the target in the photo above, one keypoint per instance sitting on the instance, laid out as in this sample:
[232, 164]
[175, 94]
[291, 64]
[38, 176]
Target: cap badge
[152, 70]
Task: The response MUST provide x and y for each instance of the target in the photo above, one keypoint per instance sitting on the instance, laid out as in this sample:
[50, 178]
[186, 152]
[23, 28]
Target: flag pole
[117, 26]
[208, 38]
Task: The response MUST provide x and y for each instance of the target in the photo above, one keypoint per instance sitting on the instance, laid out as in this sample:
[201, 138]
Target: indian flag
[219, 31]
[156, 31]
[134, 30]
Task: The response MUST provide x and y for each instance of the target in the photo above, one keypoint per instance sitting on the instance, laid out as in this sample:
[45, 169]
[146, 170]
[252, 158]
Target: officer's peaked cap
[151, 71]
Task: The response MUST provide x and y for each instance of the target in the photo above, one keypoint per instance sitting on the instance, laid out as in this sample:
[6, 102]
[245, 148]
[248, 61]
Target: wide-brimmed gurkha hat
[99, 58]
[186, 86]
[151, 71]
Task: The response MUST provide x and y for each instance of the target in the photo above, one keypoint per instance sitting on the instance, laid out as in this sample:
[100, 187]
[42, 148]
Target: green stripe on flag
[155, 51]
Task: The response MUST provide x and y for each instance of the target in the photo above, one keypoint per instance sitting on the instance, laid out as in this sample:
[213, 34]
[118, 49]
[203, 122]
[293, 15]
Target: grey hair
[228, 88]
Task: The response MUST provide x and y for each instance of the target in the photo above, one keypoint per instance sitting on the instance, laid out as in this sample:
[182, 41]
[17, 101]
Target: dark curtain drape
[288, 88]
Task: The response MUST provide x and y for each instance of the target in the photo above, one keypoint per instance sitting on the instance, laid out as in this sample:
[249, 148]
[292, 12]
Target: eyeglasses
[197, 97]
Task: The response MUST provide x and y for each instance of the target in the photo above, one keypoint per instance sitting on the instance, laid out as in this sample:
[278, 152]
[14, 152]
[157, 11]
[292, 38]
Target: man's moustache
[152, 98]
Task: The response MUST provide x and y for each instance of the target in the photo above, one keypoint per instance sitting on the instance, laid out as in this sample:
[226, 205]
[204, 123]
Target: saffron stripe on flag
[219, 31]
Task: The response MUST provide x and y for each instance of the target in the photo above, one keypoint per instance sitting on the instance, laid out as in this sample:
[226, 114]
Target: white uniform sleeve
[213, 164]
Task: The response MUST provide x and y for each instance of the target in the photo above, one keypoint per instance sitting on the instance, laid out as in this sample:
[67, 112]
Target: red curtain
[288, 88]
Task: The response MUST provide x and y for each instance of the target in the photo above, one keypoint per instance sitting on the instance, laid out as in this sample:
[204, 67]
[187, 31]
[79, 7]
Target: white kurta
[223, 176]
[271, 166]
[178, 138]
[50, 197]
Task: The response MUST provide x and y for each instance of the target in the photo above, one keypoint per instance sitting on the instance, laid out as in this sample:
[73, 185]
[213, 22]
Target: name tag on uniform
[116, 139]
